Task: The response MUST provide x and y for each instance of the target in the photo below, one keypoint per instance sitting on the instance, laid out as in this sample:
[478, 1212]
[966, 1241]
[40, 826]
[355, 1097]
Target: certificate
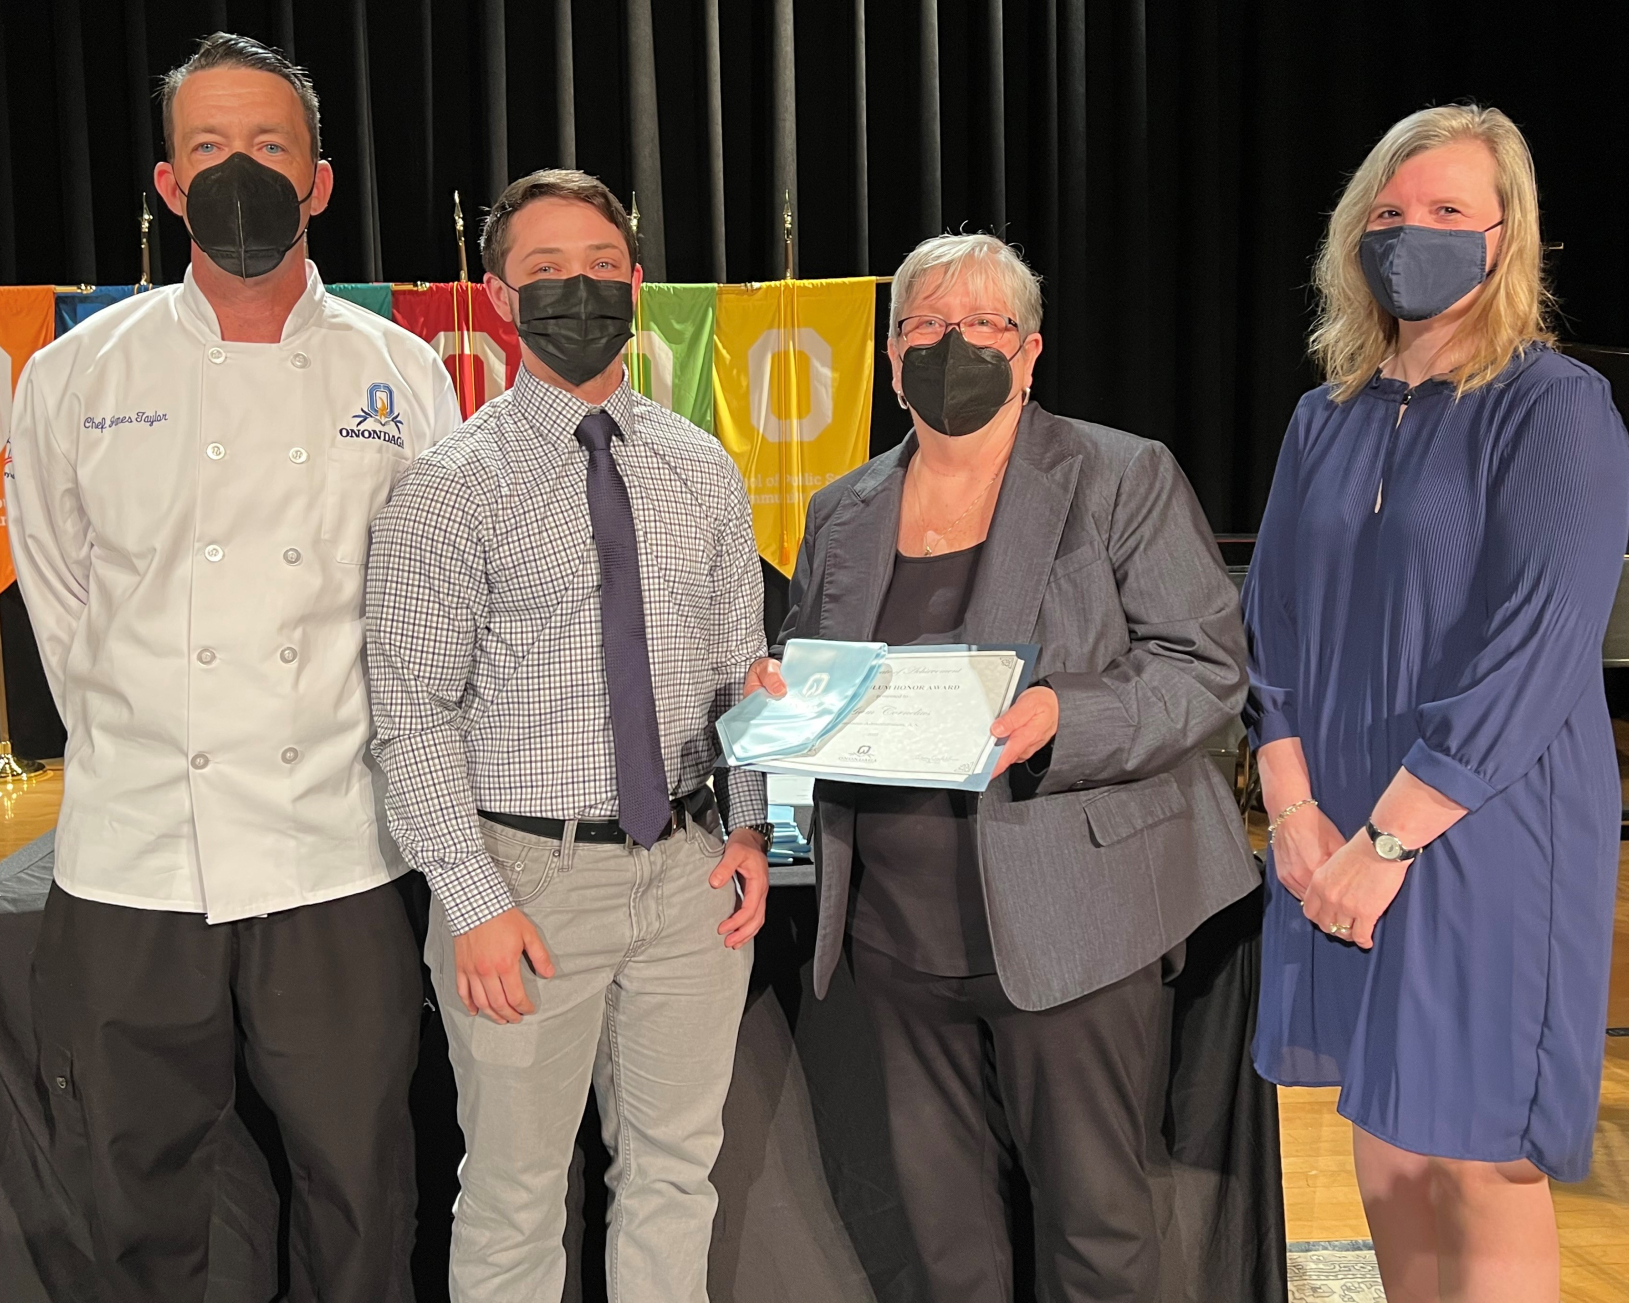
[924, 720]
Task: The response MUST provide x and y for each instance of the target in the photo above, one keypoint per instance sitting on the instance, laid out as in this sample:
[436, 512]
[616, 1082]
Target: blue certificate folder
[825, 683]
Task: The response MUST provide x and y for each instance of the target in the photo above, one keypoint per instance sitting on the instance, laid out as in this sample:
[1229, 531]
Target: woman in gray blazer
[1009, 945]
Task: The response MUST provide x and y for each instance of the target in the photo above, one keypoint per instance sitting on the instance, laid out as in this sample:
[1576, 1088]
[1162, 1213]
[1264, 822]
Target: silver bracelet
[1285, 813]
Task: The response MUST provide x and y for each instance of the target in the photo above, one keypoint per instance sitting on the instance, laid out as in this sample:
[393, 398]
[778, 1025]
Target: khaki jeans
[645, 1003]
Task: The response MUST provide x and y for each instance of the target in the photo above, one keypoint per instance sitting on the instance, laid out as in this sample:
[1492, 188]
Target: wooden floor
[29, 809]
[1321, 1199]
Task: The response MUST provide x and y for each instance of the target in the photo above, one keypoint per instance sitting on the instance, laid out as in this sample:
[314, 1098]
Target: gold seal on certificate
[922, 721]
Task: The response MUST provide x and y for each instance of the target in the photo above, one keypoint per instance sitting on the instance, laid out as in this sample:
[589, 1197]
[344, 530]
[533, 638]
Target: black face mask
[953, 386]
[576, 326]
[244, 215]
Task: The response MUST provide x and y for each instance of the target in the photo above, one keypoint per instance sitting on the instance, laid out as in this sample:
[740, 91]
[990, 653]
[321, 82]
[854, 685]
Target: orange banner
[27, 324]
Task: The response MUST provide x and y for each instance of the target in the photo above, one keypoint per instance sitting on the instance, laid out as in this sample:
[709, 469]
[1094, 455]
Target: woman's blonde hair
[1354, 335]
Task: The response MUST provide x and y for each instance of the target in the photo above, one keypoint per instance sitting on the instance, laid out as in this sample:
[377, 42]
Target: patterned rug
[1334, 1271]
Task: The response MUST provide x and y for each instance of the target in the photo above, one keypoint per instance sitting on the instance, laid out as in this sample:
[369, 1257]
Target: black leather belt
[601, 831]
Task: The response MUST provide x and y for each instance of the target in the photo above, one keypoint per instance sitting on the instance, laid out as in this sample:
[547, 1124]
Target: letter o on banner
[761, 358]
[494, 366]
[648, 352]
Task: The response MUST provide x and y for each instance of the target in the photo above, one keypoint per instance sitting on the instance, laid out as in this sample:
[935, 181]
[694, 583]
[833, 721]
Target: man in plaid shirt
[562, 599]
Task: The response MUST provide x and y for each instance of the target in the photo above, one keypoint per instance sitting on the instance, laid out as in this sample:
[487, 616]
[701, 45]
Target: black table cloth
[808, 1205]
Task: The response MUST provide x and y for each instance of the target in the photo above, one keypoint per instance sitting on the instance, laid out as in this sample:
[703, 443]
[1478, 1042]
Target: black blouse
[916, 894]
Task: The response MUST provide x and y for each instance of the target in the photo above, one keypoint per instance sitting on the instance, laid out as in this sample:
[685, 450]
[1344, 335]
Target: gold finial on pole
[786, 229]
[633, 214]
[458, 231]
[146, 251]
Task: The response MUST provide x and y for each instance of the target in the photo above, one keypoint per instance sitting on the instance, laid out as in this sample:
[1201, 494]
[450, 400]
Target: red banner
[480, 348]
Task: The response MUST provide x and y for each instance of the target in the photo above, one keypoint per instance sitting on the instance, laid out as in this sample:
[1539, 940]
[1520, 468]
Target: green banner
[375, 298]
[670, 357]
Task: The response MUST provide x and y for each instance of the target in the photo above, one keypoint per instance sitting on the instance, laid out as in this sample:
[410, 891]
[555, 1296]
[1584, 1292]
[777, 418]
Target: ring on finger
[1339, 929]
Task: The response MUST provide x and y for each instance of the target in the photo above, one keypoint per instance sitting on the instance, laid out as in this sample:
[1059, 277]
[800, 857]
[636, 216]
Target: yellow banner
[792, 372]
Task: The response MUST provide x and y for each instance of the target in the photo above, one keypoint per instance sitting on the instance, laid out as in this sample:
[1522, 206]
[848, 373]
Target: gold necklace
[932, 539]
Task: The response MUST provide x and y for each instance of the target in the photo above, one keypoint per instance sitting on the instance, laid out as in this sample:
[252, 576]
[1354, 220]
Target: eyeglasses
[981, 329]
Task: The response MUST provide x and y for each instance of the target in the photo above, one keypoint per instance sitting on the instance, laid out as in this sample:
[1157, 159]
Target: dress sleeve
[1269, 603]
[1552, 556]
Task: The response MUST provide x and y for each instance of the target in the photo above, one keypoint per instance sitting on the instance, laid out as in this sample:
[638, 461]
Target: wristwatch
[1388, 847]
[764, 830]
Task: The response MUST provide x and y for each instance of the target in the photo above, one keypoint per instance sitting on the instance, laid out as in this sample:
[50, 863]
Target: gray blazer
[1103, 860]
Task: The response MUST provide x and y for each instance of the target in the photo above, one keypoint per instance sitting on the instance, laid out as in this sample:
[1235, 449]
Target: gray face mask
[1418, 272]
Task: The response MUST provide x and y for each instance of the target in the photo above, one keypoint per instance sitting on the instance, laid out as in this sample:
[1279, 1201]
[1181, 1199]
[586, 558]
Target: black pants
[139, 1015]
[971, 1080]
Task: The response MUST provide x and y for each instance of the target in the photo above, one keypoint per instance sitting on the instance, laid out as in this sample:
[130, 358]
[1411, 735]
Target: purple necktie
[642, 796]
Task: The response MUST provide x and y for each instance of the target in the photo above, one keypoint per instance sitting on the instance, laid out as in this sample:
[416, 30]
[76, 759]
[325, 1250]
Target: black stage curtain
[1165, 164]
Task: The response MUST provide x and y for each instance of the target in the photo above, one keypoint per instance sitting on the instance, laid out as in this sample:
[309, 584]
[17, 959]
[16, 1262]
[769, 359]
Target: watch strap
[1403, 853]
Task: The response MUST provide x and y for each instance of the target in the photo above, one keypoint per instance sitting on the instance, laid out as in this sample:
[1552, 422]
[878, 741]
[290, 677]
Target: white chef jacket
[189, 519]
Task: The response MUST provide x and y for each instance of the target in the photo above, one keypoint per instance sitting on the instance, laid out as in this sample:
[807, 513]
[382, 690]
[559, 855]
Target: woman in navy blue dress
[1426, 607]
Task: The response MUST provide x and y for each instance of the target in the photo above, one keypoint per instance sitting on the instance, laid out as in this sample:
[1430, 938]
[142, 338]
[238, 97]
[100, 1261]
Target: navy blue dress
[1433, 593]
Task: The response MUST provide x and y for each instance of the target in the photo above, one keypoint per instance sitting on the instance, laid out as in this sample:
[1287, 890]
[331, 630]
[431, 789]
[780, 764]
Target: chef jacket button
[298, 456]
[200, 761]
[288, 655]
[292, 556]
[290, 755]
[206, 656]
[217, 355]
[216, 451]
[300, 360]
[214, 552]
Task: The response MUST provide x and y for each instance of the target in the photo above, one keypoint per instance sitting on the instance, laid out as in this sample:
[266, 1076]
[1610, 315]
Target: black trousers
[971, 1081]
[139, 1016]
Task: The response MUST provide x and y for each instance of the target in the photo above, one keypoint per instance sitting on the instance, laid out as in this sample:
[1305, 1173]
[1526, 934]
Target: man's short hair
[226, 50]
[550, 183]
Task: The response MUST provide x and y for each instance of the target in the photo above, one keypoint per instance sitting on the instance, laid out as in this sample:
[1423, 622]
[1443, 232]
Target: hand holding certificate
[862, 712]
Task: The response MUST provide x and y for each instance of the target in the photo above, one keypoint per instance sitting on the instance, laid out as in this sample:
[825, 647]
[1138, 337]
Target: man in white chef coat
[196, 472]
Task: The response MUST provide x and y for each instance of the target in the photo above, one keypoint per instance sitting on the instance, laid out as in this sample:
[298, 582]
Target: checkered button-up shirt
[484, 643]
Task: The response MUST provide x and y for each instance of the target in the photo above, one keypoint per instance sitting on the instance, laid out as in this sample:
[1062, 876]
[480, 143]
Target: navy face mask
[1418, 272]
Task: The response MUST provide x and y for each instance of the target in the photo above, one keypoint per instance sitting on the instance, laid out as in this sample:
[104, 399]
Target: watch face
[1388, 847]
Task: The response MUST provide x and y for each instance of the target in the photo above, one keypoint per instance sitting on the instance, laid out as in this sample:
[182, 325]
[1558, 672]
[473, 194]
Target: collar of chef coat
[554, 414]
[307, 308]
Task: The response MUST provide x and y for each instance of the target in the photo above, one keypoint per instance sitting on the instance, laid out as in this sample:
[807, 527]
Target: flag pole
[463, 326]
[458, 231]
[786, 229]
[636, 372]
[146, 250]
